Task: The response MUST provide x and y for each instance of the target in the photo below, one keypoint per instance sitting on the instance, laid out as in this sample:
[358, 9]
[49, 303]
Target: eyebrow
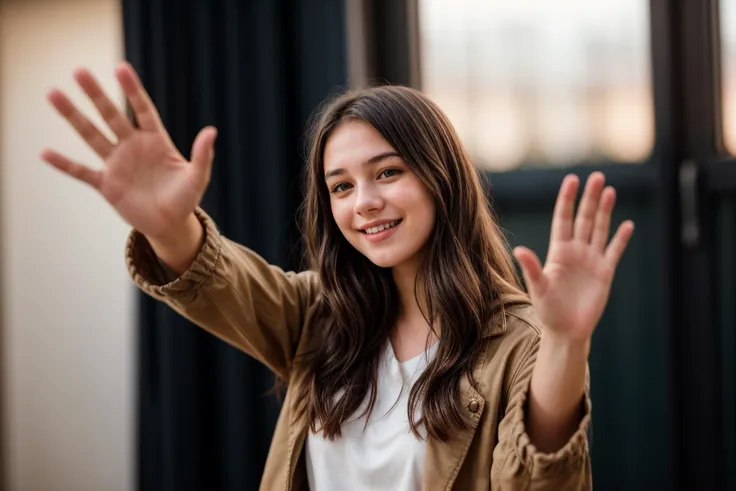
[373, 160]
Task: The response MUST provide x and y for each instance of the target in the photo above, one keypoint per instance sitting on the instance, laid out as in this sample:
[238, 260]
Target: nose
[367, 200]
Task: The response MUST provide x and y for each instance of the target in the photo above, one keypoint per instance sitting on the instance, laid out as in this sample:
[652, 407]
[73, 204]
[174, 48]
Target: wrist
[177, 235]
[563, 345]
[178, 248]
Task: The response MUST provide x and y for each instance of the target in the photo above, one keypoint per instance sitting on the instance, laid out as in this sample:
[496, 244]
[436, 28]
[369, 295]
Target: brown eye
[338, 188]
[390, 172]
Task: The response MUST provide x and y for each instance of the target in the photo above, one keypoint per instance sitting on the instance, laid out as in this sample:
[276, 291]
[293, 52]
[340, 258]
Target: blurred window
[540, 82]
[728, 69]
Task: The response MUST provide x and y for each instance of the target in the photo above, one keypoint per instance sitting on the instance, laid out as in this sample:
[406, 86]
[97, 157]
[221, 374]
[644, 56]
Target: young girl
[412, 356]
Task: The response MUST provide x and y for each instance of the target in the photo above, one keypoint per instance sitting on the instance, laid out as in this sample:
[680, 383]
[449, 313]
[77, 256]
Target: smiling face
[378, 203]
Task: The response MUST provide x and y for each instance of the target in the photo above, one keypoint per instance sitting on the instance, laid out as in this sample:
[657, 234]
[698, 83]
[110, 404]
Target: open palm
[145, 178]
[571, 290]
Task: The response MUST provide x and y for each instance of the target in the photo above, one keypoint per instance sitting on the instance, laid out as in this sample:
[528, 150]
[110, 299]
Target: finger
[203, 151]
[84, 127]
[589, 207]
[145, 111]
[603, 219]
[562, 216]
[531, 268]
[618, 244]
[118, 123]
[78, 171]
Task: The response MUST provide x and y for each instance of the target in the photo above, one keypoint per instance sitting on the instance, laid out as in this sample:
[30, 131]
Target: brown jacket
[233, 293]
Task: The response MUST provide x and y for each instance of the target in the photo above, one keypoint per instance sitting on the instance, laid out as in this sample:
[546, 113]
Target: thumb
[203, 151]
[531, 268]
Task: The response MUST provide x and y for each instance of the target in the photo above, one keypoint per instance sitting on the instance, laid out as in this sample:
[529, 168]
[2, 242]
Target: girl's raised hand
[145, 178]
[570, 292]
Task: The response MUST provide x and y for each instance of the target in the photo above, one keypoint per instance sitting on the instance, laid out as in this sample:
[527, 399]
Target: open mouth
[380, 228]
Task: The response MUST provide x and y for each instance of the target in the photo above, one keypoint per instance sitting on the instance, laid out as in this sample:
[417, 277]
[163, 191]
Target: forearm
[179, 250]
[555, 404]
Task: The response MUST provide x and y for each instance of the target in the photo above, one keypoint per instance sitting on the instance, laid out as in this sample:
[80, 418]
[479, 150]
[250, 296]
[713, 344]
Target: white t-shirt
[385, 455]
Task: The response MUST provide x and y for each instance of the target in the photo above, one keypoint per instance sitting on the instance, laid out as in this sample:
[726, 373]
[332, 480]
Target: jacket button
[473, 406]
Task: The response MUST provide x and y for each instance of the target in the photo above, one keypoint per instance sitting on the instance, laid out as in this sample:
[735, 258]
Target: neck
[410, 296]
[412, 333]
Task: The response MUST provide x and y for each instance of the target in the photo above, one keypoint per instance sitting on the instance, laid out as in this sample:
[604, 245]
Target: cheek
[416, 200]
[342, 215]
[428, 218]
[424, 210]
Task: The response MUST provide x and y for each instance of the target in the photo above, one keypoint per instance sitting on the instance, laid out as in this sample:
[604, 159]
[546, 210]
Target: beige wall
[67, 305]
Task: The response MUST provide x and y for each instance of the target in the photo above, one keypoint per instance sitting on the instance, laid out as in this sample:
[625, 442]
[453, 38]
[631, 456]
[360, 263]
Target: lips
[380, 228]
[384, 233]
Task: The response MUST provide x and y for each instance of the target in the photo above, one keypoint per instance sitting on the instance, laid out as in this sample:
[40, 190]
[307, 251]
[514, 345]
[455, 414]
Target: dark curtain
[256, 69]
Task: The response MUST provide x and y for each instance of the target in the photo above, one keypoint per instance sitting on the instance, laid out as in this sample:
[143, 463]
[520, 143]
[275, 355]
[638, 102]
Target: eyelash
[335, 188]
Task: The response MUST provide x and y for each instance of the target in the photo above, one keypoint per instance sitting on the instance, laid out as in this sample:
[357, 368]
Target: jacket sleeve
[233, 293]
[517, 464]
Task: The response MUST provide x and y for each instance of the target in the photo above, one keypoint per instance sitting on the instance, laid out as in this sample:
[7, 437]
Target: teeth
[381, 228]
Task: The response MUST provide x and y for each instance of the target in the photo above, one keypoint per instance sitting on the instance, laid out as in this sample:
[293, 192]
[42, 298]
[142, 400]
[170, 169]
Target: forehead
[352, 143]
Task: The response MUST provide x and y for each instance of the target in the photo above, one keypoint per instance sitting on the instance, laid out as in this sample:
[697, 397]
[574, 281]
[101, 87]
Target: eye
[339, 187]
[390, 172]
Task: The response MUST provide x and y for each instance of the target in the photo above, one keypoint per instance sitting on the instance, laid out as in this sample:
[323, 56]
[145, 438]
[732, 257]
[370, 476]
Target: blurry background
[102, 388]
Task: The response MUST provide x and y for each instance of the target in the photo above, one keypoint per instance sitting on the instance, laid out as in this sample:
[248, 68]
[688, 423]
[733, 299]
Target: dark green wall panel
[726, 273]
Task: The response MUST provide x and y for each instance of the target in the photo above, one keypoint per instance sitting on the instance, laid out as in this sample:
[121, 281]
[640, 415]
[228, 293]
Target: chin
[382, 262]
[387, 259]
[385, 255]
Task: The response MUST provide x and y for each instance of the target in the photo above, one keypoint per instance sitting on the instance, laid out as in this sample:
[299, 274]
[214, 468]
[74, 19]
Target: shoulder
[515, 321]
[510, 347]
[523, 322]
[521, 333]
[309, 284]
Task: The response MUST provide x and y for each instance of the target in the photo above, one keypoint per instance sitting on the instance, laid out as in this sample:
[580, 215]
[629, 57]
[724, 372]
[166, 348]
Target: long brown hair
[467, 266]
